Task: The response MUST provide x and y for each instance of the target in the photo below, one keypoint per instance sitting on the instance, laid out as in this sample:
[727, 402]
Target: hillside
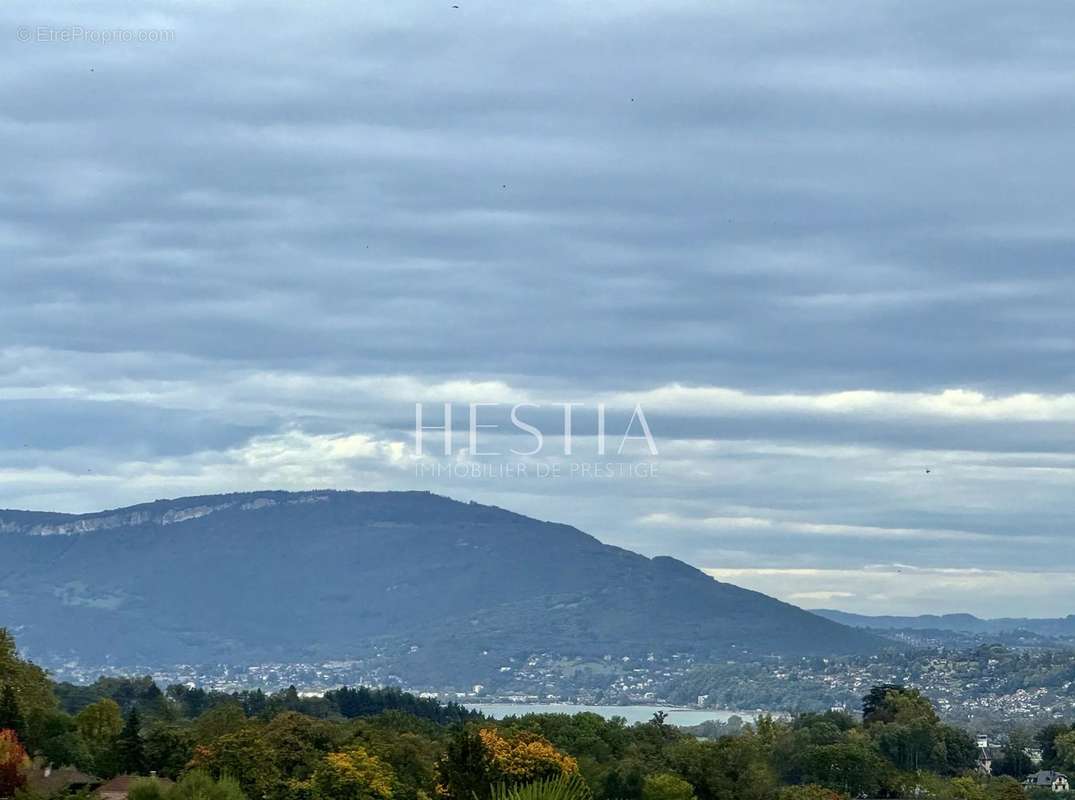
[963, 630]
[963, 623]
[431, 583]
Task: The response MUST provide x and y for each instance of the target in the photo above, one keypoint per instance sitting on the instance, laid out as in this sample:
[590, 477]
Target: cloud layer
[826, 249]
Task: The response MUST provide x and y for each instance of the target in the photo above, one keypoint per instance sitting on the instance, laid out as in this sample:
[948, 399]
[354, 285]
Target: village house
[1048, 779]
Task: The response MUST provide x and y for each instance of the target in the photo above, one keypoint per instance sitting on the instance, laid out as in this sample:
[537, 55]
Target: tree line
[383, 744]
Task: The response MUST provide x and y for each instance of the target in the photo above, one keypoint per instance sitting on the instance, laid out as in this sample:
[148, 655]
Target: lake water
[633, 714]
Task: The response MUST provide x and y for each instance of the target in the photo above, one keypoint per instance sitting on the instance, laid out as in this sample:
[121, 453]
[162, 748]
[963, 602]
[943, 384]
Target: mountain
[1061, 629]
[431, 584]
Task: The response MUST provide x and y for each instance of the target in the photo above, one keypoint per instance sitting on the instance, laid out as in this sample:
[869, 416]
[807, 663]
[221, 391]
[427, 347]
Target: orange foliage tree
[479, 759]
[13, 763]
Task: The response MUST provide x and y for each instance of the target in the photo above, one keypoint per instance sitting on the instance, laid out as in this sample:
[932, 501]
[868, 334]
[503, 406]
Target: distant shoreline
[676, 715]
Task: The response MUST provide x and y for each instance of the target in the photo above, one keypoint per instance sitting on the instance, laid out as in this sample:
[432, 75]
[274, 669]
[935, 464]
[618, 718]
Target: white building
[1048, 779]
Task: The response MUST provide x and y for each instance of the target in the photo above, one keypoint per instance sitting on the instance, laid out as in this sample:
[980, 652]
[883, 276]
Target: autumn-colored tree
[524, 757]
[13, 763]
[478, 760]
[353, 774]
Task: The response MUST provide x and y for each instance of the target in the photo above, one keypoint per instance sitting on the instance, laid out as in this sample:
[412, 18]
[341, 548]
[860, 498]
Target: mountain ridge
[426, 583]
[959, 622]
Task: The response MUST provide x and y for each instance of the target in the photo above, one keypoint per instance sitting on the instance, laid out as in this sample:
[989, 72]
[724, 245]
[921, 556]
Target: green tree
[1065, 750]
[197, 785]
[11, 717]
[168, 749]
[246, 757]
[220, 721]
[874, 703]
[405, 743]
[99, 725]
[29, 683]
[298, 742]
[130, 751]
[666, 786]
[1046, 740]
[890, 703]
[732, 768]
[964, 788]
[1014, 760]
[149, 789]
[850, 767]
[1006, 788]
[54, 736]
[809, 791]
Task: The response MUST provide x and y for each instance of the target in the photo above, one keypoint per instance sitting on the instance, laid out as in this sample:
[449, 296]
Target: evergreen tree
[129, 745]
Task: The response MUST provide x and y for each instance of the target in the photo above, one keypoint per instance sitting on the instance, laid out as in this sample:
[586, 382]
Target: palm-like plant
[563, 787]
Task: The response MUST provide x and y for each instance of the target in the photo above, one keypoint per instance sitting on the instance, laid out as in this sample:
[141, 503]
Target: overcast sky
[825, 246]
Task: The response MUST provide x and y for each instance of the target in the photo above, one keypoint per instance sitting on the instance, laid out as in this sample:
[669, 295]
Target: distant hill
[1062, 628]
[433, 583]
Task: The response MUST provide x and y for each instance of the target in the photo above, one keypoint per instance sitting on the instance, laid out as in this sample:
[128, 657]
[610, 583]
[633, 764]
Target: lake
[676, 716]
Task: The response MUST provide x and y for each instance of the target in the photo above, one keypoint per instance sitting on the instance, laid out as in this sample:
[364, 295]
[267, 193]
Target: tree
[29, 683]
[851, 767]
[130, 753]
[732, 768]
[873, 703]
[53, 735]
[960, 750]
[400, 741]
[965, 788]
[11, 717]
[665, 786]
[809, 791]
[1046, 740]
[148, 789]
[463, 771]
[524, 757]
[194, 785]
[199, 786]
[246, 757]
[1065, 750]
[1014, 760]
[890, 703]
[298, 743]
[13, 763]
[478, 759]
[168, 749]
[1006, 788]
[100, 724]
[353, 774]
[219, 721]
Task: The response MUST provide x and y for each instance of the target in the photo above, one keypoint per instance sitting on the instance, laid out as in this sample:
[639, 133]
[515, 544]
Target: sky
[824, 248]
